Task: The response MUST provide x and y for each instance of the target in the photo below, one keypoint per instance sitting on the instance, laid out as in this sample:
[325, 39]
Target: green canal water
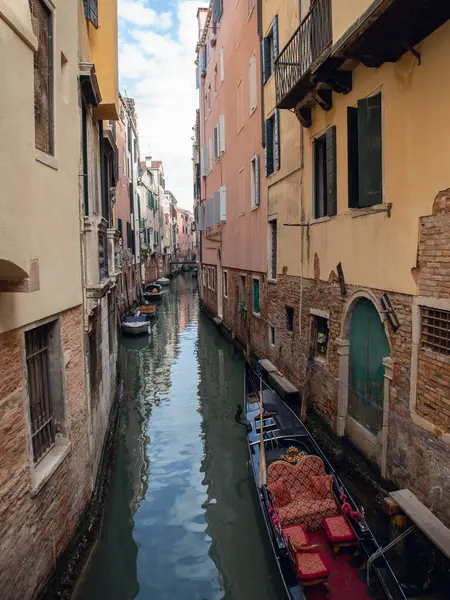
[181, 520]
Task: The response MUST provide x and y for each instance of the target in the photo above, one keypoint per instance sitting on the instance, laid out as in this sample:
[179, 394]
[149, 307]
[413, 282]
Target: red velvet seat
[311, 567]
[297, 536]
[338, 529]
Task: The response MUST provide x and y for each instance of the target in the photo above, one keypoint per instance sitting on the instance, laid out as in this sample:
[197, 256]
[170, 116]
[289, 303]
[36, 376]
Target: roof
[156, 164]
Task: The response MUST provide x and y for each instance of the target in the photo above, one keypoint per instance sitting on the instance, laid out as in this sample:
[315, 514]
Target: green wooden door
[368, 347]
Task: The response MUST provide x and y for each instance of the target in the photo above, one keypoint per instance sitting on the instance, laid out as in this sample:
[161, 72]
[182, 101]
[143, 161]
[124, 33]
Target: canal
[181, 520]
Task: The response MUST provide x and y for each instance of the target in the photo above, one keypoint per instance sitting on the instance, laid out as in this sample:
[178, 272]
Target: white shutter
[222, 72]
[252, 83]
[204, 161]
[210, 154]
[222, 132]
[217, 207]
[223, 203]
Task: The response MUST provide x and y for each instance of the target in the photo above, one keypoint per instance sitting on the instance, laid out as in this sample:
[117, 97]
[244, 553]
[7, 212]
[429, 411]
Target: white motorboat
[163, 281]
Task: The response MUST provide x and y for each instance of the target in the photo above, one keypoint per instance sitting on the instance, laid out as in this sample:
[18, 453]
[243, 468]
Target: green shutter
[352, 157]
[276, 124]
[256, 303]
[331, 175]
[265, 57]
[268, 151]
[369, 151]
[275, 37]
[130, 191]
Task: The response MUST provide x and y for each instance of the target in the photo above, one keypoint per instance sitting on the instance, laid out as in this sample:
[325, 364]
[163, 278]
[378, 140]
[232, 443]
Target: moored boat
[194, 272]
[152, 291]
[136, 325]
[151, 286]
[322, 544]
[148, 310]
[163, 281]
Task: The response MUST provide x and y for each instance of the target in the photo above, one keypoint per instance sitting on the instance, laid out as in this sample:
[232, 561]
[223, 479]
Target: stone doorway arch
[371, 440]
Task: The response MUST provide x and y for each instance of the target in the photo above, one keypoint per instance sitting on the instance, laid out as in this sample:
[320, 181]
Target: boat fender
[238, 418]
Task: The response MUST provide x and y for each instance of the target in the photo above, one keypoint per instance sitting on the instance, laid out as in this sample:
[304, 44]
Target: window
[209, 277]
[290, 318]
[324, 157]
[221, 66]
[273, 249]
[240, 106]
[321, 333]
[208, 96]
[216, 79]
[269, 51]
[216, 142]
[213, 279]
[256, 300]
[210, 153]
[242, 291]
[95, 356]
[272, 147]
[254, 182]
[112, 322]
[41, 18]
[225, 284]
[435, 330]
[204, 276]
[365, 178]
[45, 387]
[272, 335]
[252, 86]
[222, 133]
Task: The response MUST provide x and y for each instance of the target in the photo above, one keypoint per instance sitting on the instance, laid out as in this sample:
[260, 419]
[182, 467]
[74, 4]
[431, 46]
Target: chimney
[148, 162]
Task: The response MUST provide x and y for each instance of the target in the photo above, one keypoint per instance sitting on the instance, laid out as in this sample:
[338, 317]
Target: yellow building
[359, 223]
[47, 419]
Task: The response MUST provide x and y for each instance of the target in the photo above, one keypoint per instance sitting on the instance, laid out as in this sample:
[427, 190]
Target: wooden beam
[339, 81]
[324, 98]
[304, 116]
[425, 520]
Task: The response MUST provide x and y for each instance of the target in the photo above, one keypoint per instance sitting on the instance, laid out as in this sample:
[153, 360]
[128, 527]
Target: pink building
[185, 236]
[232, 215]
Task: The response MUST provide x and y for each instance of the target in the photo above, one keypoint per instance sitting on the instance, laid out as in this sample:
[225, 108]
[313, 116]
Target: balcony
[114, 258]
[306, 48]
[96, 255]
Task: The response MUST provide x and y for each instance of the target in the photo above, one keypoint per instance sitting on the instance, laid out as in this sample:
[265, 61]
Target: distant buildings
[185, 248]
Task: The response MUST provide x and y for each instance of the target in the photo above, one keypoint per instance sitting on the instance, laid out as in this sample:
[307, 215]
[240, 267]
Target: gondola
[136, 325]
[152, 291]
[322, 544]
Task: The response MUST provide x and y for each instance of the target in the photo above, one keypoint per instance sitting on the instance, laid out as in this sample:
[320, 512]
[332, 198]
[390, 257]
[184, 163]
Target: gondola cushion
[309, 513]
[311, 565]
[297, 536]
[280, 493]
[338, 529]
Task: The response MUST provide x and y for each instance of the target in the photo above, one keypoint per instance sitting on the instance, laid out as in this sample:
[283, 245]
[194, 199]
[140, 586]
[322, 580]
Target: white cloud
[137, 13]
[158, 71]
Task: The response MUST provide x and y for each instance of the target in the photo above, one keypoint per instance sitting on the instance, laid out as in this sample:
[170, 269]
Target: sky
[157, 41]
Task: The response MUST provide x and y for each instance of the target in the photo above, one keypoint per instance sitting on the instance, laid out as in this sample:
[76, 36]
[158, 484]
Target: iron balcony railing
[312, 37]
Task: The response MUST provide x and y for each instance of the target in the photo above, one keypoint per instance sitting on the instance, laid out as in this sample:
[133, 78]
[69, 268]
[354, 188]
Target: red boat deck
[344, 583]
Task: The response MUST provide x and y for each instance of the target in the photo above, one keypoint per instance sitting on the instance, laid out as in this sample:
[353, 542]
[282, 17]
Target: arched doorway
[365, 373]
[368, 347]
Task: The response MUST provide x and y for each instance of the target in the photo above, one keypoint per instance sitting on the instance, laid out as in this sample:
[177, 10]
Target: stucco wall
[41, 201]
[243, 236]
[344, 13]
[415, 167]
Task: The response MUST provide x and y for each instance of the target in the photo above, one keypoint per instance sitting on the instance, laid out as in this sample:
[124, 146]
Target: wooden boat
[319, 537]
[194, 272]
[148, 310]
[151, 286]
[152, 291]
[136, 325]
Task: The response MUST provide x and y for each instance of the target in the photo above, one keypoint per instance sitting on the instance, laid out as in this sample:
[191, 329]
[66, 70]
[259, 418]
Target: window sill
[257, 315]
[255, 207]
[269, 280]
[48, 466]
[46, 159]
[368, 210]
[320, 220]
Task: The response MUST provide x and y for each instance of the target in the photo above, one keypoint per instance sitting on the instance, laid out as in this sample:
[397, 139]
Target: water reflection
[181, 520]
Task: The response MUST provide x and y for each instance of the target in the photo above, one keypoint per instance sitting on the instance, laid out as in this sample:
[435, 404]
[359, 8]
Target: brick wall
[34, 530]
[433, 273]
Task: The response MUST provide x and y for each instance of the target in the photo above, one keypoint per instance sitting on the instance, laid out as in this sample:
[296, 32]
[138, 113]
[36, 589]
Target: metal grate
[41, 18]
[41, 413]
[436, 330]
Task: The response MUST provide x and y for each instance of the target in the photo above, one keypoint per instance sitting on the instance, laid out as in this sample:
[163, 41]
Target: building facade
[185, 248]
[58, 339]
[231, 212]
[128, 205]
[358, 219]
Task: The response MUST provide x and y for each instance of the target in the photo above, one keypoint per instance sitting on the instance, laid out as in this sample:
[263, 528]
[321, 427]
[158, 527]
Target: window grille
[41, 18]
[435, 330]
[41, 410]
